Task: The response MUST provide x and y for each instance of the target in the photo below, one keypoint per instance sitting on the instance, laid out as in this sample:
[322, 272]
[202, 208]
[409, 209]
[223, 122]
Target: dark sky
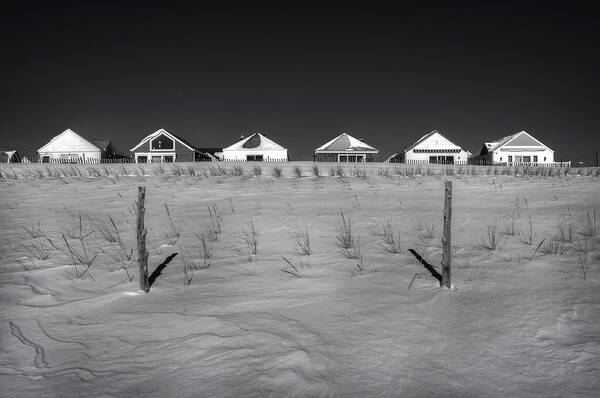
[302, 74]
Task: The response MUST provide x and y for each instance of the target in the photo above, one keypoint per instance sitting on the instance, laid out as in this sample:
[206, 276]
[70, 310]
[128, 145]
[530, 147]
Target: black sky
[301, 74]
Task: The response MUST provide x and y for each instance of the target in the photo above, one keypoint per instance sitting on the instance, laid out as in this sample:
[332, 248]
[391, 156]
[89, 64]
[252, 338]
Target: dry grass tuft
[301, 240]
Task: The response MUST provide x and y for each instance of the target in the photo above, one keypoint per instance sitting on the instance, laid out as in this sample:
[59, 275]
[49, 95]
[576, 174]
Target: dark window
[449, 160]
[527, 159]
[254, 158]
[162, 142]
[45, 159]
[509, 158]
[534, 158]
[142, 159]
[433, 159]
[168, 159]
[253, 142]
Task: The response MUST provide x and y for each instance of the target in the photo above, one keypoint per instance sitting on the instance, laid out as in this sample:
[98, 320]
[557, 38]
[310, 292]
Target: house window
[509, 158]
[527, 159]
[156, 159]
[142, 159]
[45, 159]
[535, 159]
[168, 159]
[500, 158]
[254, 158]
[544, 158]
[433, 159]
[162, 142]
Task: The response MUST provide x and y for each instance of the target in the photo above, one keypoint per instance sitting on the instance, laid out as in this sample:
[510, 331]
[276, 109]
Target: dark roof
[102, 144]
[212, 151]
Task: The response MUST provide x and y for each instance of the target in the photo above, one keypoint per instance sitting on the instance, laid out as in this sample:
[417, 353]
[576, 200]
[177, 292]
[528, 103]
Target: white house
[256, 148]
[345, 148]
[435, 148]
[70, 147]
[518, 148]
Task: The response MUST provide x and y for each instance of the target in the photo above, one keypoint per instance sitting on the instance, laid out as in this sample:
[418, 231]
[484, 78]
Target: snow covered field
[522, 321]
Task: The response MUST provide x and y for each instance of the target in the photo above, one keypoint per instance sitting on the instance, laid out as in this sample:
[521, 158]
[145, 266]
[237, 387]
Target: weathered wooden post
[446, 239]
[141, 241]
[597, 159]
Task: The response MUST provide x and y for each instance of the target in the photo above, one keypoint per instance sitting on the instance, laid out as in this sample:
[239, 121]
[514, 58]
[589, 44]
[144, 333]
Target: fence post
[141, 241]
[446, 239]
[597, 159]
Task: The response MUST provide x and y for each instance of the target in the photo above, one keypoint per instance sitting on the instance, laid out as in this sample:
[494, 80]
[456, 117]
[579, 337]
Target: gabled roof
[428, 136]
[345, 142]
[66, 132]
[255, 142]
[520, 139]
[165, 132]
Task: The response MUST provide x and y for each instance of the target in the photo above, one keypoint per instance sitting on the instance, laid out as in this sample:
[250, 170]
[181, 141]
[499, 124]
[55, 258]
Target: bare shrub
[316, 171]
[277, 171]
[173, 231]
[297, 171]
[81, 260]
[213, 227]
[107, 232]
[35, 231]
[390, 236]
[294, 270]
[189, 266]
[491, 237]
[249, 237]
[345, 237]
[590, 225]
[356, 253]
[346, 240]
[206, 251]
[527, 237]
[510, 226]
[256, 171]
[124, 253]
[39, 248]
[301, 240]
[553, 246]
[77, 230]
[237, 171]
[565, 232]
[337, 171]
[359, 172]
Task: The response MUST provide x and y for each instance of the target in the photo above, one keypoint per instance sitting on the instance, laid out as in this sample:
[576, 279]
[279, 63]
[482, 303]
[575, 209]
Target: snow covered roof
[72, 133]
[520, 139]
[255, 142]
[345, 142]
[165, 132]
[445, 141]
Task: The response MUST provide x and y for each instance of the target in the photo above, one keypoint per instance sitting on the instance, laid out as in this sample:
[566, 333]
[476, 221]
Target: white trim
[149, 156]
[346, 151]
[157, 133]
[362, 155]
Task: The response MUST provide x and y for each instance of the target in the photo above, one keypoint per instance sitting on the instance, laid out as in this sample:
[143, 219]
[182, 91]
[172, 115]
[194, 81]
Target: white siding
[268, 155]
[501, 156]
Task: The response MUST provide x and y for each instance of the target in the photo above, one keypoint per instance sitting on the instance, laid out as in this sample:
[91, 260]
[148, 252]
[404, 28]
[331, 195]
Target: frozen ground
[520, 322]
